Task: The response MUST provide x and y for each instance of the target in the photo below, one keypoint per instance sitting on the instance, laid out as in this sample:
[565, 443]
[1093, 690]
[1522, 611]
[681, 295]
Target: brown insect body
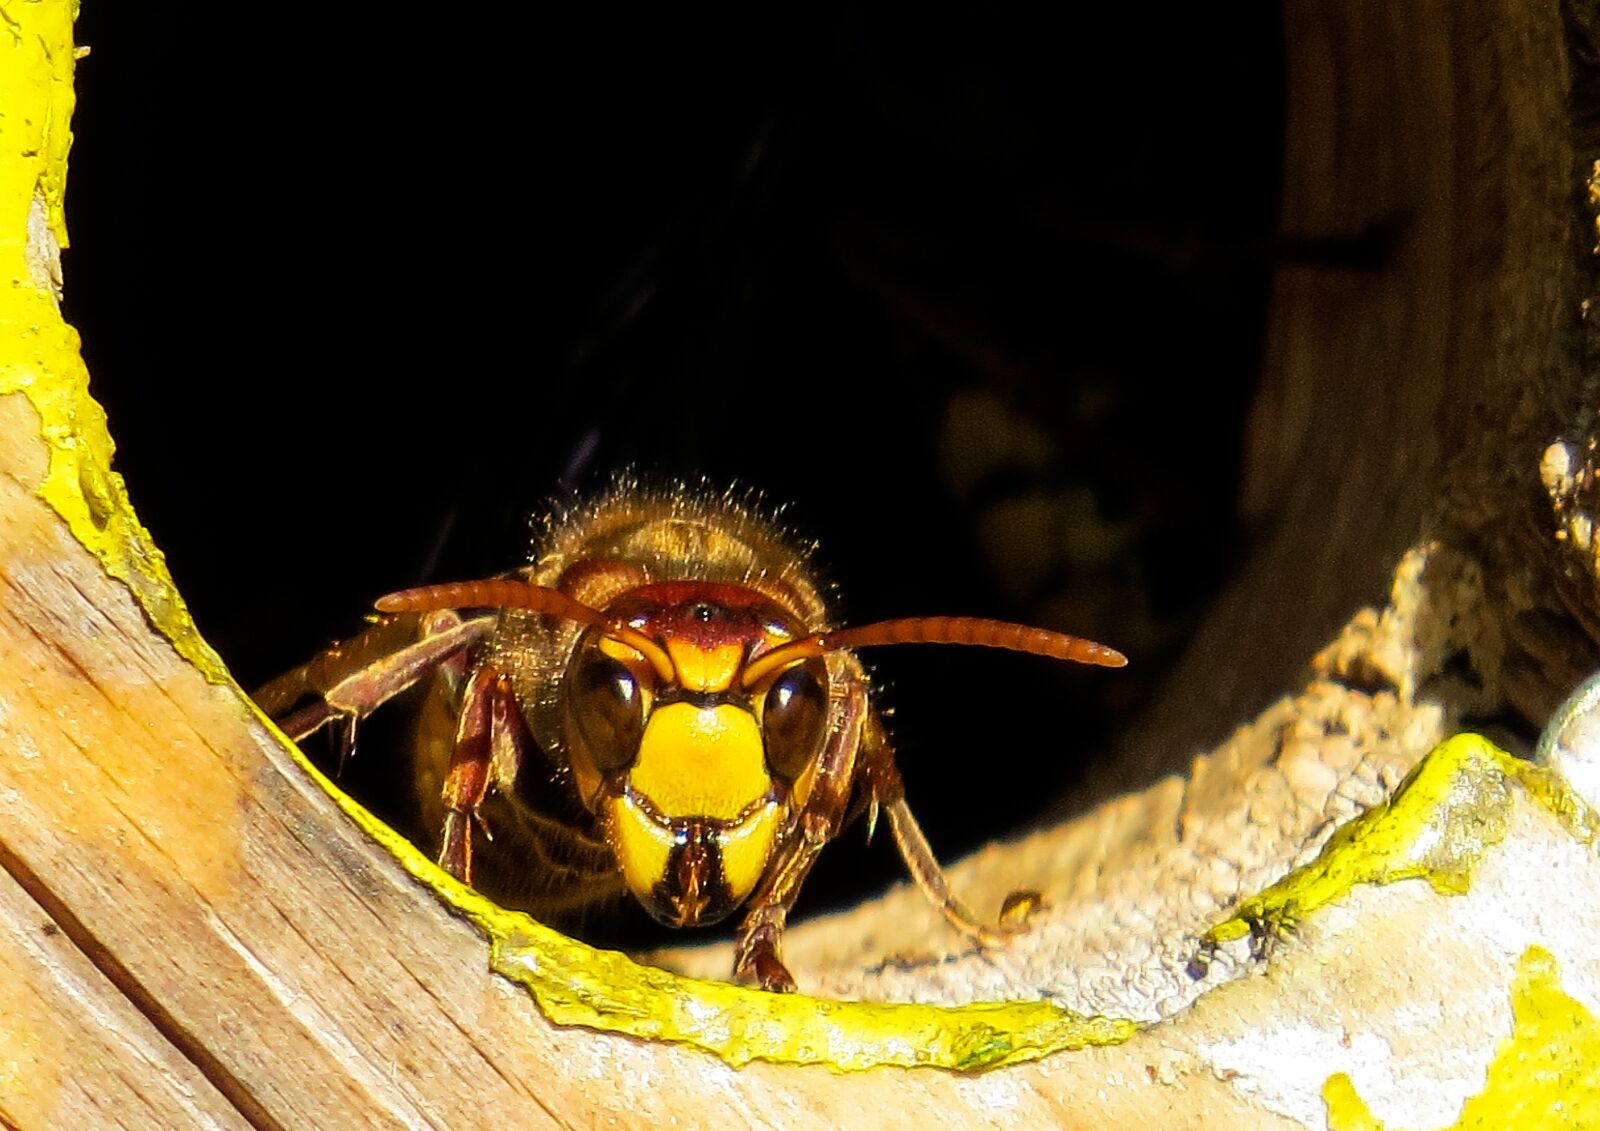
[624, 542]
[663, 561]
[668, 659]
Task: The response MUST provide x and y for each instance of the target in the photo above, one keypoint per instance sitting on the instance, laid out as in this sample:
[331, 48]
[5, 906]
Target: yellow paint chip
[39, 355]
[1544, 1075]
[1452, 808]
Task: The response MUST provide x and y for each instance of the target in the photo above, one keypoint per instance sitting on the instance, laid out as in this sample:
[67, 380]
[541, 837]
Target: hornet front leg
[757, 949]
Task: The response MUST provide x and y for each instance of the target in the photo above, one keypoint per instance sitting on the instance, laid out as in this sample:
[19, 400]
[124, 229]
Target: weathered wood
[228, 931]
[239, 904]
[73, 1051]
[1395, 445]
[310, 979]
[1413, 393]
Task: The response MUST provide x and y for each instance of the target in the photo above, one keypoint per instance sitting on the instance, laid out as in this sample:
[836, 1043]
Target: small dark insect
[667, 660]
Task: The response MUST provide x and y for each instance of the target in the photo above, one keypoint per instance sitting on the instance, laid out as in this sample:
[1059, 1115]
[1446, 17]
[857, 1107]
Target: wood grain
[289, 959]
[74, 1052]
[231, 950]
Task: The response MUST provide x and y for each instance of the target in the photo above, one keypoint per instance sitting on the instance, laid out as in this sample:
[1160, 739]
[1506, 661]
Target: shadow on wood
[196, 934]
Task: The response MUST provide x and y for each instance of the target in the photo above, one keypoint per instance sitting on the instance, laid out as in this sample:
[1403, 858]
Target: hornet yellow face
[700, 723]
[693, 777]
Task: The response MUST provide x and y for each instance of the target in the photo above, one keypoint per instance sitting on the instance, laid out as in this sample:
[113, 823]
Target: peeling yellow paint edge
[39, 354]
[1451, 809]
[572, 983]
[1544, 1075]
[1437, 826]
[575, 984]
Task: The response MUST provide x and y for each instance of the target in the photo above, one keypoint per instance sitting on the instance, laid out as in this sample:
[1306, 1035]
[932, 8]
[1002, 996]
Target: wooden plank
[244, 909]
[311, 980]
[311, 983]
[73, 1051]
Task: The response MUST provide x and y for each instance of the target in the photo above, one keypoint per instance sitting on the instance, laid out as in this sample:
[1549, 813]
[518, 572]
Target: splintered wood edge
[152, 821]
[287, 955]
[214, 881]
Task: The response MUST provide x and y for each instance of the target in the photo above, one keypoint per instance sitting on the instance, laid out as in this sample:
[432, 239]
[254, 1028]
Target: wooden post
[195, 932]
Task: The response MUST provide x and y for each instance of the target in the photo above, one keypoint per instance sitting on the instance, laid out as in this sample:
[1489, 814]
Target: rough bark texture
[189, 924]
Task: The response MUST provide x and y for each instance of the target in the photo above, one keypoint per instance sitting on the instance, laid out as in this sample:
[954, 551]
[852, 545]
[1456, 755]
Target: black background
[361, 294]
